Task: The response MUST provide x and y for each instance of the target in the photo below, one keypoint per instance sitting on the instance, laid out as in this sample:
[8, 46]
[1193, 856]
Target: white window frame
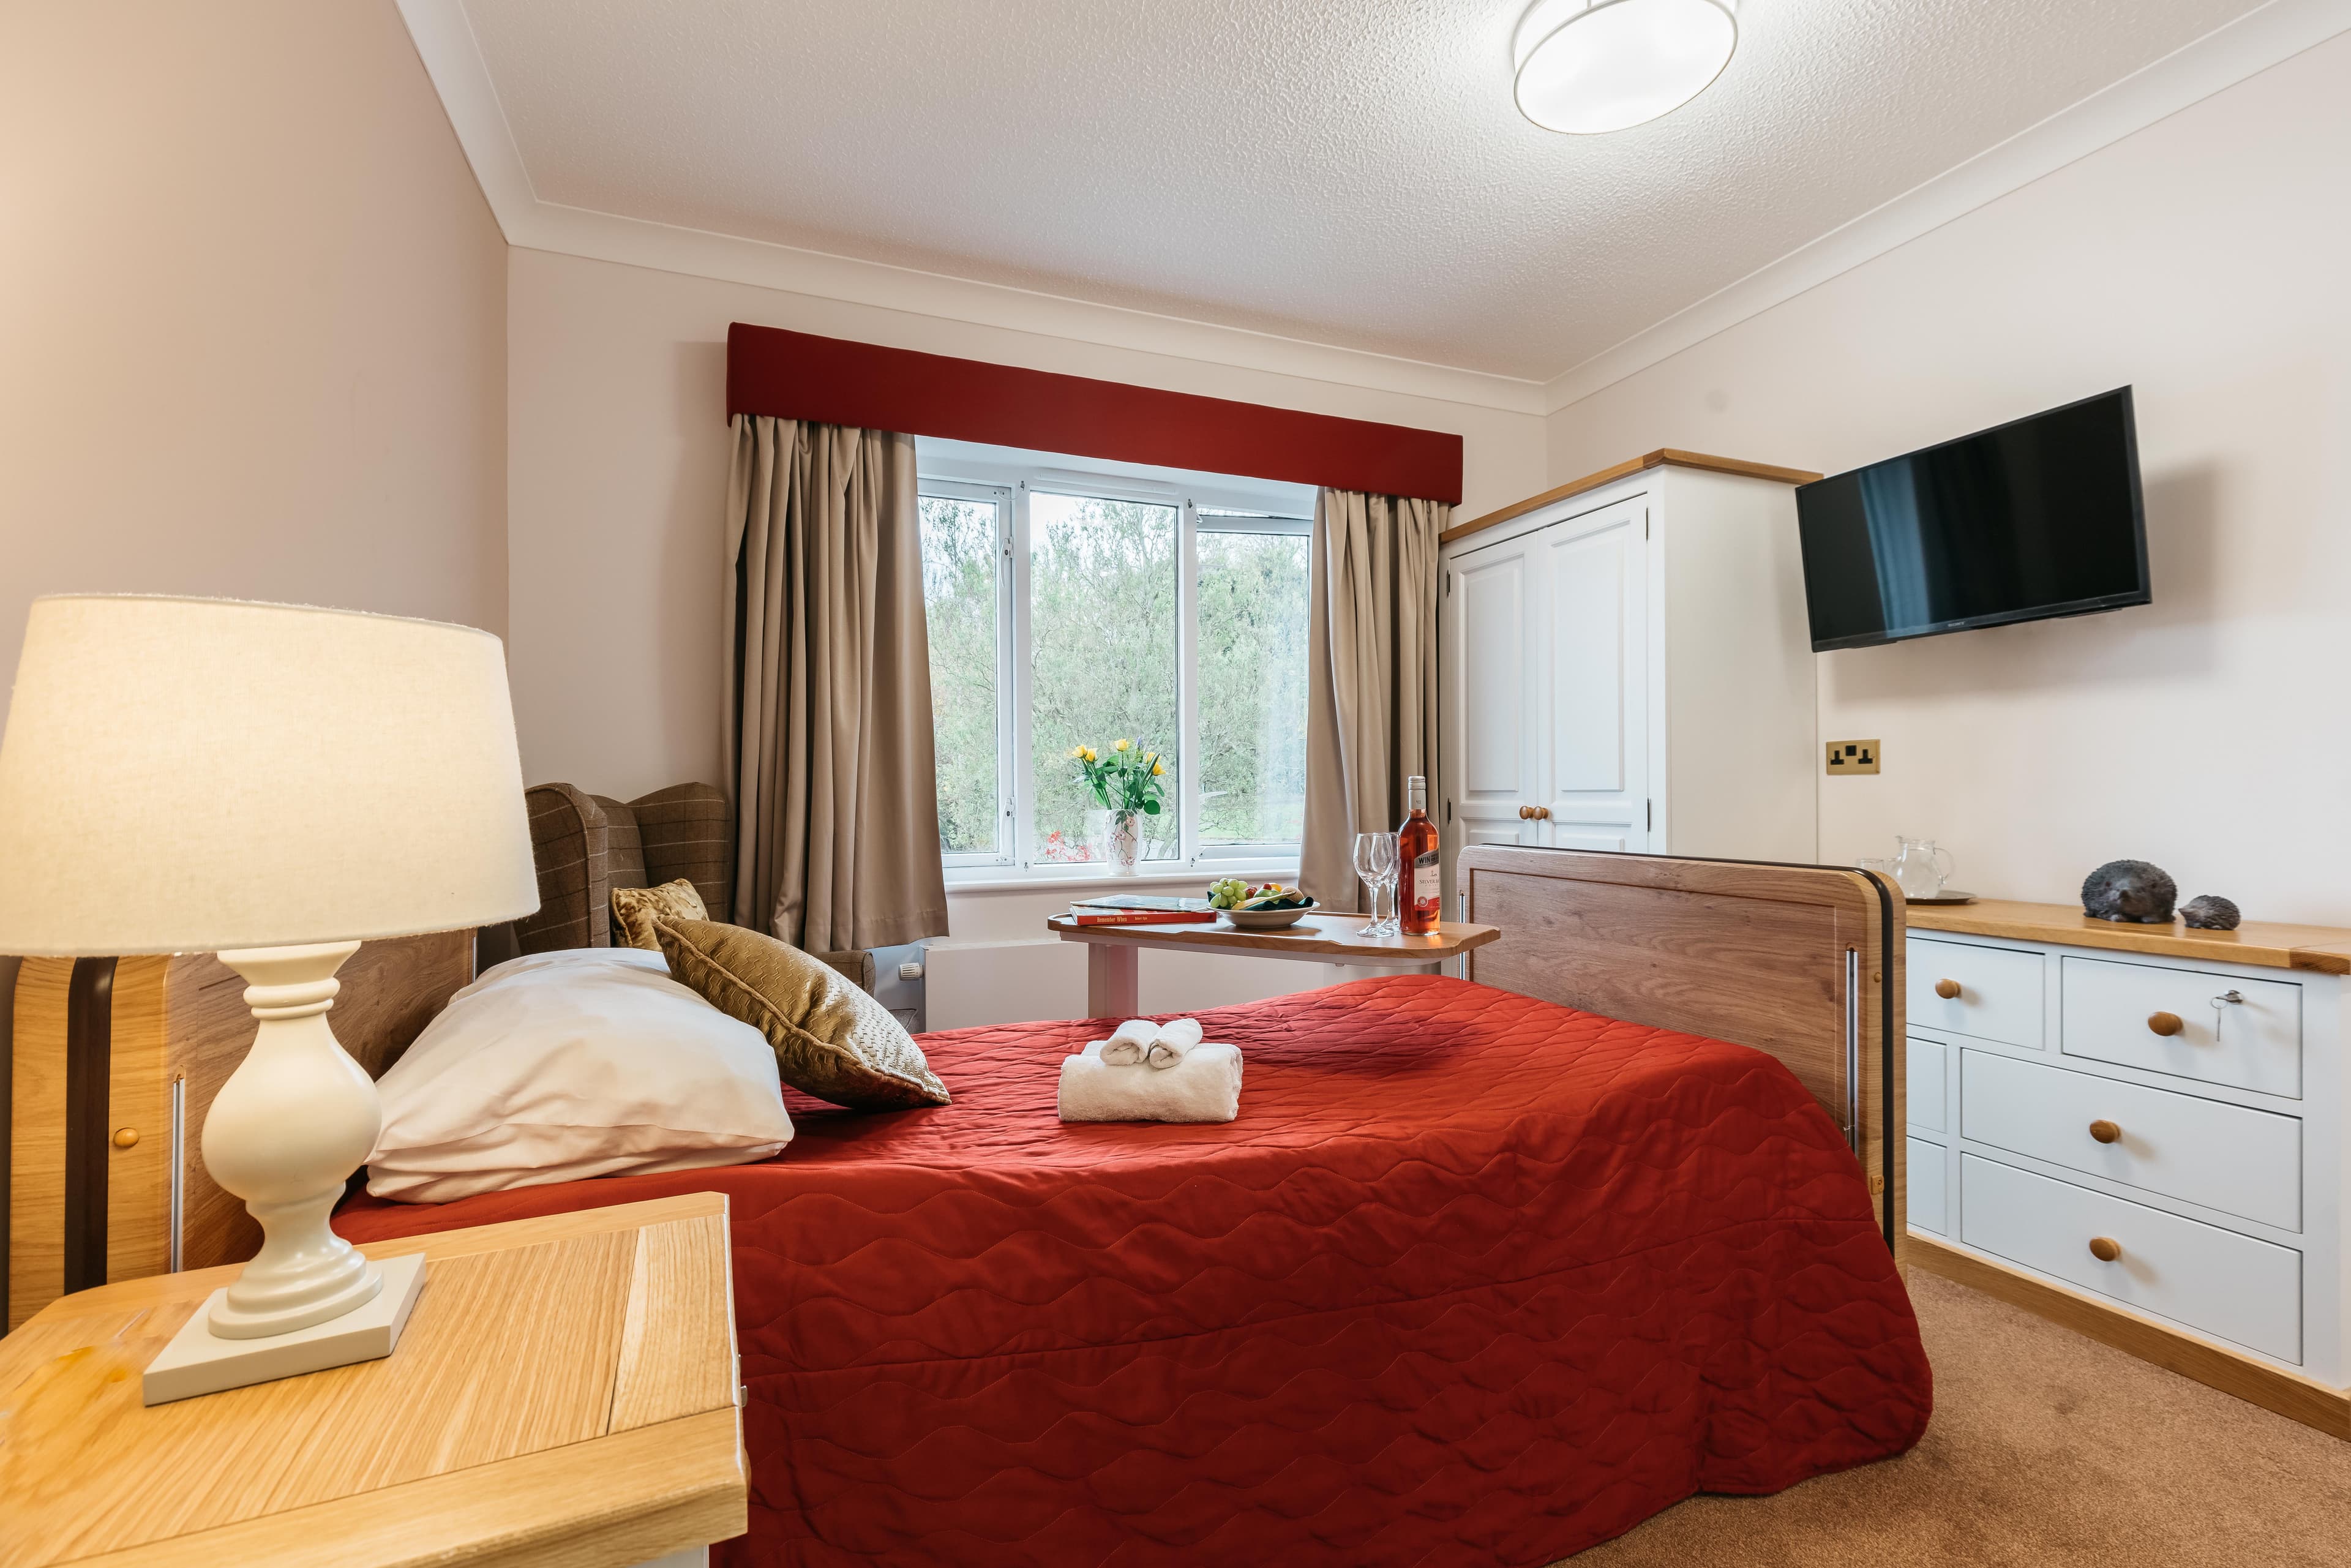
[1007, 772]
[1233, 506]
[1196, 522]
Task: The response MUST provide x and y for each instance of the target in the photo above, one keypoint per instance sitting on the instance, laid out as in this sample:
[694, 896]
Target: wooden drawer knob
[126, 1137]
[2106, 1132]
[2105, 1249]
[1948, 989]
[2166, 1024]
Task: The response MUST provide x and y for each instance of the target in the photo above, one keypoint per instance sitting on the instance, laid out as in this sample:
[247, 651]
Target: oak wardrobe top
[1663, 456]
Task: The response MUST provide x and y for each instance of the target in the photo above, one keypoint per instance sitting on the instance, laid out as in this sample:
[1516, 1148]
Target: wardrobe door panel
[1595, 615]
[1496, 741]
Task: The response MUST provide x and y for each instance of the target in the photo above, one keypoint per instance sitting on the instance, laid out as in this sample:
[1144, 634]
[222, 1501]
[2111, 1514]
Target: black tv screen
[2027, 521]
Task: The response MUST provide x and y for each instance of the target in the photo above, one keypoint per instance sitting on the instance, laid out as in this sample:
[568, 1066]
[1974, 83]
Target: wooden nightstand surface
[564, 1393]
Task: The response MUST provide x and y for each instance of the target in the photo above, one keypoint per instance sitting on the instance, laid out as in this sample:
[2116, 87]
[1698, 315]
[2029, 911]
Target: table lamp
[274, 784]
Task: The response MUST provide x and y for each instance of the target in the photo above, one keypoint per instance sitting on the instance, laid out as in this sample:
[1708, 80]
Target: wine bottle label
[1425, 878]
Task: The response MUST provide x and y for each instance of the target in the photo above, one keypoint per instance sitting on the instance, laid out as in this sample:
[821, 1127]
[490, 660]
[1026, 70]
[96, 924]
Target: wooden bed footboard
[1802, 962]
[107, 1068]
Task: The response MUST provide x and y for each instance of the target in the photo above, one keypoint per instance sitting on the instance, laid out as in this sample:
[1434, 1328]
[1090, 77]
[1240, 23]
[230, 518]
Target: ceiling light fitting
[1592, 66]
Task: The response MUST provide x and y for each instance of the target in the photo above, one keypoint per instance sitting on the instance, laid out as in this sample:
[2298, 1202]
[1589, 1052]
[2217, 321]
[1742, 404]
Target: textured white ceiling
[1350, 171]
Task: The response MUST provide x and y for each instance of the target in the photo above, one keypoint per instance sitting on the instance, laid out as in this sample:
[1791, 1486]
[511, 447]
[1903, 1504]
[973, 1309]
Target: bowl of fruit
[1267, 907]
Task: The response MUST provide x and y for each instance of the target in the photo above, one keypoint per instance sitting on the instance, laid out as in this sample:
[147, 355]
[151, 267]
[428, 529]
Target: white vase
[1117, 838]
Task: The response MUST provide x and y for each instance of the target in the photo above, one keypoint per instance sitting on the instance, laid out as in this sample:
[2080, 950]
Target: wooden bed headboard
[1803, 962]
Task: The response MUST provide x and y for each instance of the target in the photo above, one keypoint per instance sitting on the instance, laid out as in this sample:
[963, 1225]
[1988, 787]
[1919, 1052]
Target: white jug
[1921, 870]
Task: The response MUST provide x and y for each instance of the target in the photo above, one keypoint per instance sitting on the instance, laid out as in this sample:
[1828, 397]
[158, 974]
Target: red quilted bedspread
[1473, 1279]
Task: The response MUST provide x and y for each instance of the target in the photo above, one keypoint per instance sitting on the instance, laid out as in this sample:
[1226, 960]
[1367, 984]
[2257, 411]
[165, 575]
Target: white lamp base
[295, 1117]
[199, 1361]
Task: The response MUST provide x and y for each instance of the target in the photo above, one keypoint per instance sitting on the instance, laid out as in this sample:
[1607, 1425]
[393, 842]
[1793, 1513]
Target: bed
[1479, 1276]
[1484, 1273]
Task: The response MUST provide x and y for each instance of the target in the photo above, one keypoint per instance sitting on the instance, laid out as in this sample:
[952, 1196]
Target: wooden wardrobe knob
[1948, 989]
[2105, 1249]
[1542, 813]
[1526, 814]
[2165, 1023]
[2106, 1132]
[126, 1137]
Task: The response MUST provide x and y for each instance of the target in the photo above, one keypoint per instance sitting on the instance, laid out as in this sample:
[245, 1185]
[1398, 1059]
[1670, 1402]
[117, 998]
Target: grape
[1227, 892]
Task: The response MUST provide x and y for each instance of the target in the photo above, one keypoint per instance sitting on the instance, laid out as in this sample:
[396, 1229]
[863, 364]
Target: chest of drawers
[2141, 1122]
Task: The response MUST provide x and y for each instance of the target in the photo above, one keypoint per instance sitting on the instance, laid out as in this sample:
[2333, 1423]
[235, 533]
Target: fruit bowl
[1267, 919]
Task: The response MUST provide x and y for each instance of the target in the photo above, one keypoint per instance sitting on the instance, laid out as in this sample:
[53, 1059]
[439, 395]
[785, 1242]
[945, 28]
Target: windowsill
[1098, 880]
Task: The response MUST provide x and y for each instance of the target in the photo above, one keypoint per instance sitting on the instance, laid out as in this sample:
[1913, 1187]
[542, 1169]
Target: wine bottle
[1416, 851]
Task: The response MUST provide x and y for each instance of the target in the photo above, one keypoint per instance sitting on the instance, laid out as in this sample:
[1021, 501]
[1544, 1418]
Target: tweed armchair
[587, 845]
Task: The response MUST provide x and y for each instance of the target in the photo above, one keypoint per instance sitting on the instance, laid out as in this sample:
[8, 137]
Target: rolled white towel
[1169, 1046]
[1161, 1045]
[1129, 1043]
[1205, 1086]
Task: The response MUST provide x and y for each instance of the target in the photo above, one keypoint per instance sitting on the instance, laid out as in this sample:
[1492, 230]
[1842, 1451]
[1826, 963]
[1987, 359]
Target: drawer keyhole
[2105, 1249]
[2106, 1132]
[2165, 1024]
[1948, 989]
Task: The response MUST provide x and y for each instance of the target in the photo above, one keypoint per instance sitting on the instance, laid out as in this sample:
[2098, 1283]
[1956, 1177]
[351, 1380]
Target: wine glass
[1375, 863]
[1391, 868]
[1367, 866]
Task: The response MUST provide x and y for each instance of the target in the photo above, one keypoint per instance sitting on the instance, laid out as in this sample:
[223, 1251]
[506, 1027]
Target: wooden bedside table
[565, 1393]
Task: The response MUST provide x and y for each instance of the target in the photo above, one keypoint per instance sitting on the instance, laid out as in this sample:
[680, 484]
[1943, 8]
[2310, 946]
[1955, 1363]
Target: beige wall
[618, 476]
[252, 313]
[2206, 260]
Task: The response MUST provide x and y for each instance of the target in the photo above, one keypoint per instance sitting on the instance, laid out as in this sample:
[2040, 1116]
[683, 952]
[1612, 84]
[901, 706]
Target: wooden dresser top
[564, 1394]
[2323, 948]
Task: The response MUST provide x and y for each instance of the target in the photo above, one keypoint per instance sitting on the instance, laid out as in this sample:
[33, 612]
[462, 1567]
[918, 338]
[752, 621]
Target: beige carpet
[2046, 1448]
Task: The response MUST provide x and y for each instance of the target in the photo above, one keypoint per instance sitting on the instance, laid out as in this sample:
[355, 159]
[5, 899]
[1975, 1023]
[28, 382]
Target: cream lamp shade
[274, 784]
[188, 774]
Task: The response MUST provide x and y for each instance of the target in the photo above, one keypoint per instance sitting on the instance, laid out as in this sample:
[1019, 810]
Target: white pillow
[578, 1063]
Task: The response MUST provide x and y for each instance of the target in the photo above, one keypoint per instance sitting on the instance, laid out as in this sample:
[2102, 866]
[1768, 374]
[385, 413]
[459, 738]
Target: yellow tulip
[1157, 769]
[1089, 754]
[1078, 752]
[1121, 745]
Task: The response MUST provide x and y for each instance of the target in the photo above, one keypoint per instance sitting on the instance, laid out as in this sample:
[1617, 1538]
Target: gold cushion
[634, 910]
[830, 1039]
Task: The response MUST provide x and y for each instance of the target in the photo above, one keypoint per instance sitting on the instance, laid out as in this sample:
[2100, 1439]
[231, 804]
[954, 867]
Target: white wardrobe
[1626, 665]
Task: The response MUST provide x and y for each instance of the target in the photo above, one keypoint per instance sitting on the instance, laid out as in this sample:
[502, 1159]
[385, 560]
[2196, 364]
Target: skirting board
[2174, 1349]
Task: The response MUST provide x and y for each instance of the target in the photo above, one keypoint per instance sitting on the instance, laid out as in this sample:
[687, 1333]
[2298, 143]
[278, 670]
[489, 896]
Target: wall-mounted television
[2027, 521]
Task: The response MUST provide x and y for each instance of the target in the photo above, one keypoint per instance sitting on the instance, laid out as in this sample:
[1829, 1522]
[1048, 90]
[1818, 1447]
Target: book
[1134, 901]
[1081, 914]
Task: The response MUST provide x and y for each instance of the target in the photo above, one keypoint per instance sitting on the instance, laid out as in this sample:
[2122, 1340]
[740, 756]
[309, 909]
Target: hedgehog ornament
[2130, 892]
[2209, 912]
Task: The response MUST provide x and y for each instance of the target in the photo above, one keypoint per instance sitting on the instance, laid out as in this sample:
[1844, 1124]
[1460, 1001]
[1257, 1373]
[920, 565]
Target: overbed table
[1113, 973]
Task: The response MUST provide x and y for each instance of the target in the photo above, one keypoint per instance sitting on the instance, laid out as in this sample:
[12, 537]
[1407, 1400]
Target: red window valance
[796, 375]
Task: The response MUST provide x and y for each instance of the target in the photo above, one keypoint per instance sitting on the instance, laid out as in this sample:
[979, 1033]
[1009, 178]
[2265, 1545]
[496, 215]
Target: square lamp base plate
[198, 1360]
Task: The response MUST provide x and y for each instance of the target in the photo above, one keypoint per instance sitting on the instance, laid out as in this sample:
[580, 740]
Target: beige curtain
[829, 699]
[1371, 677]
